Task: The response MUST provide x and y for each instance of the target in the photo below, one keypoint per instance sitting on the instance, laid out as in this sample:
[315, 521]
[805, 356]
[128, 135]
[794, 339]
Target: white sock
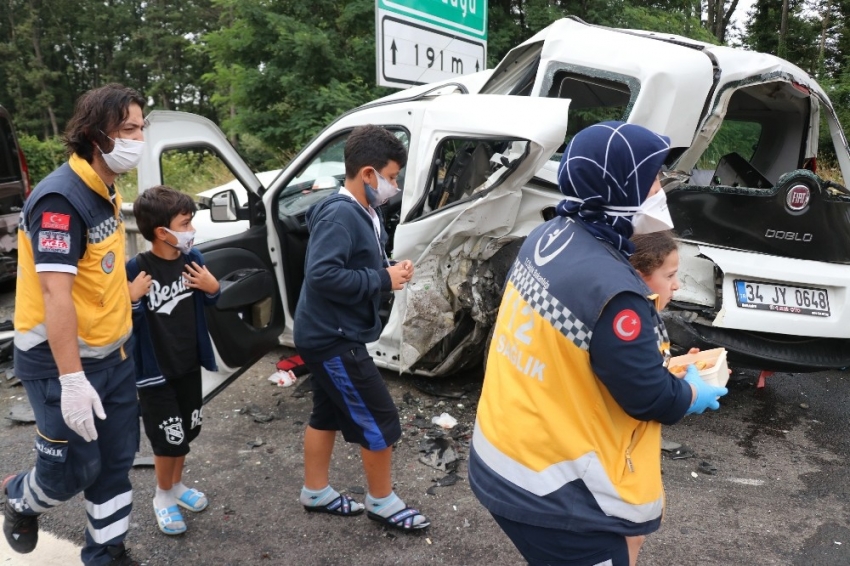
[178, 489]
[163, 498]
[389, 505]
[321, 497]
[200, 501]
[318, 498]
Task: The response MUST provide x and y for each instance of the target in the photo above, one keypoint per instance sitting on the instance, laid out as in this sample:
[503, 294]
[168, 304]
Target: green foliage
[51, 52]
[272, 73]
[802, 47]
[838, 90]
[284, 69]
[42, 156]
[666, 19]
[189, 172]
[733, 137]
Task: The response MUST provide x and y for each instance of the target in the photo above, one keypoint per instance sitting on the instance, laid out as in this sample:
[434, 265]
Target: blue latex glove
[706, 394]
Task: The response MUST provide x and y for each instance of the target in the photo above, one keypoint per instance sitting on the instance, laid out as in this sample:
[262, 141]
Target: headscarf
[606, 173]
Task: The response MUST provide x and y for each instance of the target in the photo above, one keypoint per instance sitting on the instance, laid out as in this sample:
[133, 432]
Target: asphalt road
[778, 494]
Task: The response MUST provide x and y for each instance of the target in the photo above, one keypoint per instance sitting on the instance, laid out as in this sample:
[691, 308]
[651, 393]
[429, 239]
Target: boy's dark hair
[372, 146]
[99, 110]
[158, 206]
[651, 250]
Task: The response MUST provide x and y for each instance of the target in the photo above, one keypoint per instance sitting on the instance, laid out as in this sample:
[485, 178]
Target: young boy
[346, 271]
[169, 287]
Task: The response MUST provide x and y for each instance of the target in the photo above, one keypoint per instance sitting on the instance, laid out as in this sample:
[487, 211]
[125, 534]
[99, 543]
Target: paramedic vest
[551, 446]
[100, 292]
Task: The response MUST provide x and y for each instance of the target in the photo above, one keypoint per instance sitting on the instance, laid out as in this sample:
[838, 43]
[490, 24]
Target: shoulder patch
[627, 325]
[55, 221]
[50, 241]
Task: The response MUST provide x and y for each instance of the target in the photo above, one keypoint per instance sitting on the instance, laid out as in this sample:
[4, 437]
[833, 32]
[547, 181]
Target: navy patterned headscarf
[606, 173]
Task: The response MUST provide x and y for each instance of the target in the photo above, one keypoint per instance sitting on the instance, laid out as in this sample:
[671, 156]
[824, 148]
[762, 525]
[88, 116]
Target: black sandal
[401, 520]
[340, 506]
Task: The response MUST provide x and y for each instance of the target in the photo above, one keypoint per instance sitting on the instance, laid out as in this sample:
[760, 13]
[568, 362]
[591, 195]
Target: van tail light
[801, 88]
[25, 173]
[811, 164]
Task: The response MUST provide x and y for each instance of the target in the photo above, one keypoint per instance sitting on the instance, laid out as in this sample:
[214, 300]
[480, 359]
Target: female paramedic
[565, 451]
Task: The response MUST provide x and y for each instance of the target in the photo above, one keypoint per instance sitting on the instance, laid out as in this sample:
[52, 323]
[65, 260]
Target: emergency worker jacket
[551, 446]
[100, 292]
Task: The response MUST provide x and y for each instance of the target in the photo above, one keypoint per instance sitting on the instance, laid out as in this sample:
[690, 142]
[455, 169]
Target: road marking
[50, 551]
[746, 481]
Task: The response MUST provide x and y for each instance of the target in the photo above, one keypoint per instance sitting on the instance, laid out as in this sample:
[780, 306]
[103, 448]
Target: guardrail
[135, 242]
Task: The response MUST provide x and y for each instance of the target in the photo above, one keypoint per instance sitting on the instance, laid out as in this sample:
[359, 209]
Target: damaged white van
[765, 240]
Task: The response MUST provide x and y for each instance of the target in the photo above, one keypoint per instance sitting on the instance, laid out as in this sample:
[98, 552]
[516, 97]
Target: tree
[718, 15]
[802, 32]
[287, 67]
[51, 52]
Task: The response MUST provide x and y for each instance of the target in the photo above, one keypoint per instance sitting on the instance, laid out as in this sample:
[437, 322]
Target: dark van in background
[15, 186]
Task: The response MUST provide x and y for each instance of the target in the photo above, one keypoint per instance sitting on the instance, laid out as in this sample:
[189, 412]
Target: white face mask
[184, 240]
[653, 215]
[382, 194]
[125, 155]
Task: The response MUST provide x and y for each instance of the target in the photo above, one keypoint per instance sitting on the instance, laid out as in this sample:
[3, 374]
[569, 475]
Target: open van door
[464, 202]
[248, 319]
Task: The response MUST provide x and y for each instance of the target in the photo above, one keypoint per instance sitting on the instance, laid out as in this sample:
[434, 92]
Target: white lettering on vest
[524, 362]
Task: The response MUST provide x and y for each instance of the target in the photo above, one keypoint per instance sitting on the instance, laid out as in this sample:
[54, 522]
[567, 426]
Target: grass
[830, 172]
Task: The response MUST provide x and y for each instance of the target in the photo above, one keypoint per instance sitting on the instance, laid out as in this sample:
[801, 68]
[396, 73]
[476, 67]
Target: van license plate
[781, 298]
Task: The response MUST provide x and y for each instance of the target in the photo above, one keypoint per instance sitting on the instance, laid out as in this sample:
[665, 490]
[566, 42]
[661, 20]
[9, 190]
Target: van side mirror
[223, 207]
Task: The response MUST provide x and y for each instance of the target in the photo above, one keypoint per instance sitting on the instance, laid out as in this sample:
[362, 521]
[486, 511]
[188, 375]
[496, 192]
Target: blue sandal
[402, 520]
[341, 506]
[166, 518]
[193, 500]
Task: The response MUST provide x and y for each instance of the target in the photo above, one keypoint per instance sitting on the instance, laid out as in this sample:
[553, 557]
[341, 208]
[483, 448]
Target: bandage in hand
[706, 394]
[80, 402]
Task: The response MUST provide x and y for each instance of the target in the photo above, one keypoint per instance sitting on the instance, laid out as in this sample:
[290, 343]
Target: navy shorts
[172, 414]
[349, 395]
[555, 547]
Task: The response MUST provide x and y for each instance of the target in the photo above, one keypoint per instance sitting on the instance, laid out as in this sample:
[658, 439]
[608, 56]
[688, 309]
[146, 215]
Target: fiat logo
[797, 197]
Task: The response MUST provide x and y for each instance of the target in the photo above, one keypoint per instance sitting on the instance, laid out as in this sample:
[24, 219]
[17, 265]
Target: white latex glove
[78, 400]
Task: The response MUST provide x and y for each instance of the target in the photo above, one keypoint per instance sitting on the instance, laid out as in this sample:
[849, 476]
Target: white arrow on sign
[414, 54]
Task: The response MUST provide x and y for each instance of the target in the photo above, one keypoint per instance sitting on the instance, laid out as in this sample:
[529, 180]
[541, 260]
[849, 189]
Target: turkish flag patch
[55, 221]
[627, 325]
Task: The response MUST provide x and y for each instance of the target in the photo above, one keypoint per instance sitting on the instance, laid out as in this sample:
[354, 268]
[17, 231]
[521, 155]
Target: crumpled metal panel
[447, 278]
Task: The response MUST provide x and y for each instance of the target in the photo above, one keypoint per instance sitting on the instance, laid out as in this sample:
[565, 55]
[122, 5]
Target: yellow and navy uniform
[568, 430]
[72, 223]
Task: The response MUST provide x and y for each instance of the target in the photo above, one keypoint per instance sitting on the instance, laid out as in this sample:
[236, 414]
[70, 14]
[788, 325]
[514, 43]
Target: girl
[656, 259]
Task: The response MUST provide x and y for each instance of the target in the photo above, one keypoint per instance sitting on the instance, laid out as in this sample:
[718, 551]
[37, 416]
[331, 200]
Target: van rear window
[10, 166]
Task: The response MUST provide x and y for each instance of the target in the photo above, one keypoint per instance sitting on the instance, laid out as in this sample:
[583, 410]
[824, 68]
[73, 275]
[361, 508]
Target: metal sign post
[423, 41]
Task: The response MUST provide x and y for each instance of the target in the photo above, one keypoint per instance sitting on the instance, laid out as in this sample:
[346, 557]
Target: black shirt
[170, 312]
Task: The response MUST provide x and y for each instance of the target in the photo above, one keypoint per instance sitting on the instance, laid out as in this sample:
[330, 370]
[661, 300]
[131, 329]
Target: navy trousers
[555, 547]
[66, 464]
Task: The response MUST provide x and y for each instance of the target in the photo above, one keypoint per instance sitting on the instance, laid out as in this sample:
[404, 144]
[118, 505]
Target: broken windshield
[463, 168]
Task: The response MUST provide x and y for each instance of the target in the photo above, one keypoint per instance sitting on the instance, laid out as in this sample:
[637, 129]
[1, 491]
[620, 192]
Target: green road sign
[467, 17]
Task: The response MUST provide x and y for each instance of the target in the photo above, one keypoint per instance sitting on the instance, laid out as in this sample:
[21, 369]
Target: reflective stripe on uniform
[100, 292]
[109, 532]
[588, 468]
[35, 497]
[25, 341]
[104, 510]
